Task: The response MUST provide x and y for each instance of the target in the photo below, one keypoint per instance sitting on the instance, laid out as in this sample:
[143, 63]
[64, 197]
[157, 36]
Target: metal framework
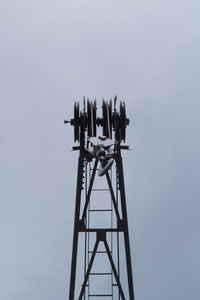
[101, 155]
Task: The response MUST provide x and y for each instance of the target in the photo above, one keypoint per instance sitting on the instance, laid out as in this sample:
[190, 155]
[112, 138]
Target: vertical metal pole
[118, 254]
[126, 233]
[76, 227]
[86, 234]
[77, 210]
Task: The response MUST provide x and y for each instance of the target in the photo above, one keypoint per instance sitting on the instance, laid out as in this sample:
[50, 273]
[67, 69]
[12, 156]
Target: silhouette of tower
[100, 211]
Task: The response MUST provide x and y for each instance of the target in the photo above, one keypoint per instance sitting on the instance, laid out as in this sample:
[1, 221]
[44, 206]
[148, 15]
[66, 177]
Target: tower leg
[125, 220]
[76, 227]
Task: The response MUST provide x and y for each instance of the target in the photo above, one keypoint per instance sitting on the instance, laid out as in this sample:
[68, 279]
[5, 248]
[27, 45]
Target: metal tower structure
[100, 211]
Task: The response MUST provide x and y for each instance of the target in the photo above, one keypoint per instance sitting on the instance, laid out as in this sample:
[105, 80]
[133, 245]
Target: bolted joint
[101, 235]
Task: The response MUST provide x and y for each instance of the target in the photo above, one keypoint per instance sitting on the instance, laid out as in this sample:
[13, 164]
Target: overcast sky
[55, 52]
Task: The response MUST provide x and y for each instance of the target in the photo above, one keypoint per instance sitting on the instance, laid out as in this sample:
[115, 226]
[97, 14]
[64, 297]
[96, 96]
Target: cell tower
[100, 211]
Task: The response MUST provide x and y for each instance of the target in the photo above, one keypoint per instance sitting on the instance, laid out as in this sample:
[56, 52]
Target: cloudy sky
[55, 52]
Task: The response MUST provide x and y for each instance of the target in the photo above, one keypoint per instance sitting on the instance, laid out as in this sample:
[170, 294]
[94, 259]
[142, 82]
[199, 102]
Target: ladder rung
[95, 190]
[99, 251]
[100, 295]
[95, 210]
[103, 273]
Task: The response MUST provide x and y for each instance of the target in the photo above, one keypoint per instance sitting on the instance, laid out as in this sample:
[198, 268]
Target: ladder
[89, 293]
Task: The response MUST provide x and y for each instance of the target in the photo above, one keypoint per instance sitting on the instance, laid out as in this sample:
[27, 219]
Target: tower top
[112, 120]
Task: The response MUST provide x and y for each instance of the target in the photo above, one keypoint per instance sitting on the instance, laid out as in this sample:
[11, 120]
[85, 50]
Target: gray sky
[54, 52]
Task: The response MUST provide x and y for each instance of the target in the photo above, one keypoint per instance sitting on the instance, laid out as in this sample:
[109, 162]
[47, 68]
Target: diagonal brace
[114, 270]
[89, 269]
[113, 197]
